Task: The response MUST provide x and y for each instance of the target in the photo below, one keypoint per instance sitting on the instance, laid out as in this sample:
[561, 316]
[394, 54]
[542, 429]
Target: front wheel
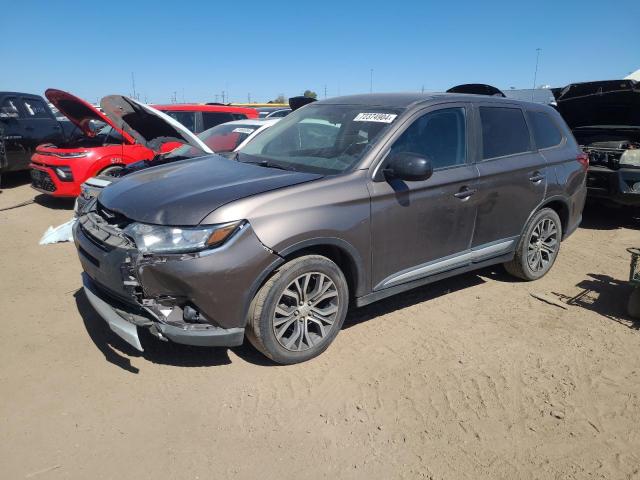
[538, 247]
[299, 311]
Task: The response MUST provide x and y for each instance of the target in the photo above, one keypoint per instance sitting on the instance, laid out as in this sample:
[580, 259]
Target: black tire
[261, 330]
[111, 170]
[521, 266]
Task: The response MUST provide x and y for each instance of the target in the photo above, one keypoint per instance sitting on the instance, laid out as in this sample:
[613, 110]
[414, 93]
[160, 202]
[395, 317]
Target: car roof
[22, 94]
[196, 107]
[406, 100]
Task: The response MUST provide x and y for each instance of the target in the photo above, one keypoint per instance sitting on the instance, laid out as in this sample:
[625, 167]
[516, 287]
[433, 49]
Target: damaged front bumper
[194, 299]
[621, 186]
[125, 324]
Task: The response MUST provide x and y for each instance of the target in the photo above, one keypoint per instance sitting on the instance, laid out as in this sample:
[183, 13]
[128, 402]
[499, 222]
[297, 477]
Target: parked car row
[59, 168]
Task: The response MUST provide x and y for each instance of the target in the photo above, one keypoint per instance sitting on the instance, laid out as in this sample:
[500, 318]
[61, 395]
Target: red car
[60, 169]
[199, 118]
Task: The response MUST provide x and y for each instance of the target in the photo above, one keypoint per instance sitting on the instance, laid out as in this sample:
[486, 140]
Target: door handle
[465, 193]
[537, 177]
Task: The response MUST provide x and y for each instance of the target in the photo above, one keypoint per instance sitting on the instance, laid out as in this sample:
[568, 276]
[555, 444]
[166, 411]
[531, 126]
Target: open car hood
[606, 103]
[148, 126]
[80, 113]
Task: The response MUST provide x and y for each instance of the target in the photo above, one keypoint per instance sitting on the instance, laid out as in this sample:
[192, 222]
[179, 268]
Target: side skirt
[388, 292]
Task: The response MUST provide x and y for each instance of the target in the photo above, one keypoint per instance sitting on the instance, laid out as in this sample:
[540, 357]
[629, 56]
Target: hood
[477, 89]
[183, 193]
[147, 125]
[80, 113]
[610, 103]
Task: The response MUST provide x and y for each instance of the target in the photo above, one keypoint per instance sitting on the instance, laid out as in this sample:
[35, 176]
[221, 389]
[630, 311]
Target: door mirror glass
[408, 166]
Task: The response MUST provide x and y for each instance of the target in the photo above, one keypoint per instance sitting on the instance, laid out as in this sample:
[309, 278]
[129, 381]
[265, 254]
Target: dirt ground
[468, 378]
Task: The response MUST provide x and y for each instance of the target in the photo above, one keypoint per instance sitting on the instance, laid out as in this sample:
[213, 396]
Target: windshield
[320, 138]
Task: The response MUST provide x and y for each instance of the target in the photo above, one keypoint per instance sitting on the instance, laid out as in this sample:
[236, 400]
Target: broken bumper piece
[125, 324]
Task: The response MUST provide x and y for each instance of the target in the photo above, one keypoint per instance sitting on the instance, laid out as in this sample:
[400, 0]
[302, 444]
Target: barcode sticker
[248, 131]
[375, 117]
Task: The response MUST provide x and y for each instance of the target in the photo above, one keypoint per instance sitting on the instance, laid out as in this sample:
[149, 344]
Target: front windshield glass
[320, 138]
[221, 138]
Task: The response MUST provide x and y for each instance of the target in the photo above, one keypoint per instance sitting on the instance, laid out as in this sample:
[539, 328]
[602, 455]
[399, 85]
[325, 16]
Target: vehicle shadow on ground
[604, 295]
[54, 203]
[119, 352]
[15, 179]
[418, 295]
[603, 217]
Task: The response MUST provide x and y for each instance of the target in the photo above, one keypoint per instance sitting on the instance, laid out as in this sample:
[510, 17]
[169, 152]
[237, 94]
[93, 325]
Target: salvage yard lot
[472, 377]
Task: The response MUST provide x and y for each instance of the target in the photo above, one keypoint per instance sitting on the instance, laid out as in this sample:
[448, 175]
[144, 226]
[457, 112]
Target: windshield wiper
[268, 164]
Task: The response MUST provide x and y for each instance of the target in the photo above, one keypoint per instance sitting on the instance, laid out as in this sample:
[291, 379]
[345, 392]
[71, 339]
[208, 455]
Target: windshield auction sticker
[247, 131]
[375, 117]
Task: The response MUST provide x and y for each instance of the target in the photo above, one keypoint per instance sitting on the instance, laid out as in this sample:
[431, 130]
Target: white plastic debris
[61, 233]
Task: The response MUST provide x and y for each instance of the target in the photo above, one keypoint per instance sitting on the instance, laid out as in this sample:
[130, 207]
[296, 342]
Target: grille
[42, 180]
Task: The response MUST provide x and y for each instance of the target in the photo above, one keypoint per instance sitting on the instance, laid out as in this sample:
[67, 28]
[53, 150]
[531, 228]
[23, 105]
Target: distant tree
[310, 94]
[279, 99]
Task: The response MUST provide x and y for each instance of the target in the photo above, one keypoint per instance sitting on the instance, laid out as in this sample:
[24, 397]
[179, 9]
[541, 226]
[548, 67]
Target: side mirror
[408, 166]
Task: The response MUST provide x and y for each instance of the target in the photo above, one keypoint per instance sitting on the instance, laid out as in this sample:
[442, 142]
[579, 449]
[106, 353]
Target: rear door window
[545, 131]
[211, 119]
[439, 135]
[9, 108]
[504, 132]
[35, 108]
[188, 119]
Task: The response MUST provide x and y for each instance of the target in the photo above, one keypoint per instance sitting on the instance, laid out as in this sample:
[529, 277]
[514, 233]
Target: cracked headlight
[162, 239]
[630, 158]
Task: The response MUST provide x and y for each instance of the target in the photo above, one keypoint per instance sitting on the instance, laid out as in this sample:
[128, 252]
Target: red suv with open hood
[105, 147]
[59, 169]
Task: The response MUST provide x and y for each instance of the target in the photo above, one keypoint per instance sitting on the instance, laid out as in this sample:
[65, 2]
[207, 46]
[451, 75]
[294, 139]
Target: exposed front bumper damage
[621, 186]
[193, 299]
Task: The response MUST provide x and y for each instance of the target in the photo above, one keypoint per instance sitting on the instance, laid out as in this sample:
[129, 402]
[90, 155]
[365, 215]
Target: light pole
[535, 74]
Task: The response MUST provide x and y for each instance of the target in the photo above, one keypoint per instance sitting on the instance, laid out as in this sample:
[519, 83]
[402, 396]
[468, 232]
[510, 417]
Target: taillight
[583, 159]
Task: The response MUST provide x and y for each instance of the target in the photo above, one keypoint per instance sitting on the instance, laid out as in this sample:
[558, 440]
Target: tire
[289, 329]
[532, 259]
[111, 170]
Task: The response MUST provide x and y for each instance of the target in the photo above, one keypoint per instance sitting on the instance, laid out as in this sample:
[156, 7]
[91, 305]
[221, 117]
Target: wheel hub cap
[306, 312]
[543, 244]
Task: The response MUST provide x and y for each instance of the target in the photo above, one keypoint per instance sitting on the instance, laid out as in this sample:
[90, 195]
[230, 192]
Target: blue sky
[199, 49]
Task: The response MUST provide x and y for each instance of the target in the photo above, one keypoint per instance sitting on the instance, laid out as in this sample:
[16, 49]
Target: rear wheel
[299, 311]
[538, 247]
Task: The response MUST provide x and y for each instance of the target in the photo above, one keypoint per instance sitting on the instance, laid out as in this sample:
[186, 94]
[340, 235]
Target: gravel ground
[472, 377]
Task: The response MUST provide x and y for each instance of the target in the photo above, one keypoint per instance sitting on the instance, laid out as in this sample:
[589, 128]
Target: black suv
[343, 202]
[26, 121]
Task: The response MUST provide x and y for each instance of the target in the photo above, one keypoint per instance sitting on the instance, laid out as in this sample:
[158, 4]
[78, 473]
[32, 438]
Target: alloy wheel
[306, 312]
[543, 244]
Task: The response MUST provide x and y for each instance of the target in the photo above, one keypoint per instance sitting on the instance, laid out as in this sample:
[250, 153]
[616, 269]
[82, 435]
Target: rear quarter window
[504, 132]
[545, 131]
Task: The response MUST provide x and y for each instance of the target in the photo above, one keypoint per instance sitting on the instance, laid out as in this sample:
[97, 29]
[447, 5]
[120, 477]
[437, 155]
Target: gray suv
[343, 202]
